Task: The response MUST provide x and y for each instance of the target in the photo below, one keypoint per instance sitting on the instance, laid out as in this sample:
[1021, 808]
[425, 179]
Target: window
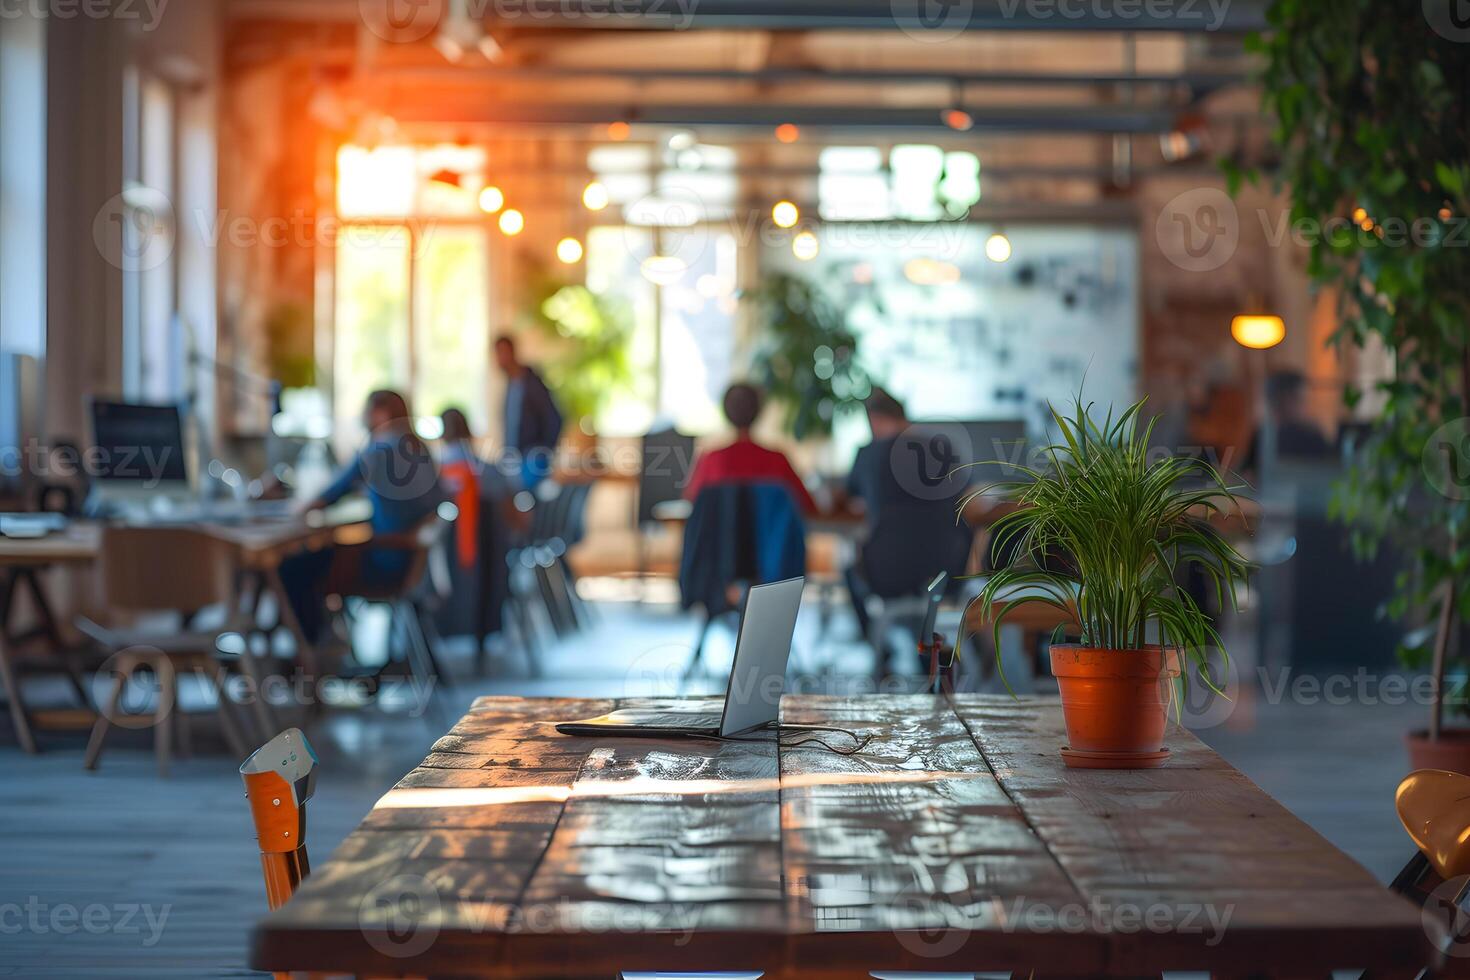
[412, 296]
[23, 186]
[676, 270]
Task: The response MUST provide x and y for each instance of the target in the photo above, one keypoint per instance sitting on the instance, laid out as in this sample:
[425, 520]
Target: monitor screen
[138, 443]
[989, 450]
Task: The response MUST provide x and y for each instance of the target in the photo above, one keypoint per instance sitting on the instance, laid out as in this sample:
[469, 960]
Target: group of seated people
[912, 530]
[908, 537]
[405, 485]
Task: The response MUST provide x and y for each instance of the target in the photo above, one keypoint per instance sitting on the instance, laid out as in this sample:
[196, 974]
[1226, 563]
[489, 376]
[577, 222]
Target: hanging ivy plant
[1372, 111]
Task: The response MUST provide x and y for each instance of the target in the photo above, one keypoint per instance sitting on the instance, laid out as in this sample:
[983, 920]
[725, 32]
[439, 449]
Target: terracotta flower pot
[1116, 704]
[1450, 752]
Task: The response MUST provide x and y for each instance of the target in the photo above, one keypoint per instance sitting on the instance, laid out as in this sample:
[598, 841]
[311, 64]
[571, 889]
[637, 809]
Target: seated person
[913, 531]
[398, 476]
[745, 460]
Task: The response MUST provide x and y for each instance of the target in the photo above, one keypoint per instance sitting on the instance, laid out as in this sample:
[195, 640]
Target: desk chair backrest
[1434, 807]
[748, 533]
[157, 568]
[668, 456]
[280, 777]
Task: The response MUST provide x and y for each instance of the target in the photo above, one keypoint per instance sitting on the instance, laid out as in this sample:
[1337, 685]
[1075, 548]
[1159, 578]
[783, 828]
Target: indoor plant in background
[1371, 102]
[1102, 532]
[805, 357]
[587, 361]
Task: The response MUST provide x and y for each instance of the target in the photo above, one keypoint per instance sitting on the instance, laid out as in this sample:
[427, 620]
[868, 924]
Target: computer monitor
[138, 453]
[989, 450]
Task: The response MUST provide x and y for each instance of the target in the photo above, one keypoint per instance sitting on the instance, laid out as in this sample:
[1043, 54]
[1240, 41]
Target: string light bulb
[492, 199]
[595, 196]
[805, 246]
[512, 222]
[785, 214]
[569, 251]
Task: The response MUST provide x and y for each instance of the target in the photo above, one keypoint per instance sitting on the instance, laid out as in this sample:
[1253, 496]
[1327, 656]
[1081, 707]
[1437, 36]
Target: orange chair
[1434, 807]
[280, 777]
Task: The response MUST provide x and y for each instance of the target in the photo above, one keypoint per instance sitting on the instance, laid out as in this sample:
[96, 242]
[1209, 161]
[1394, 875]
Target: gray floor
[121, 873]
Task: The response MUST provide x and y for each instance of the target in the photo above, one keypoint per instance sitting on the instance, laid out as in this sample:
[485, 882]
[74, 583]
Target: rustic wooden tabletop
[955, 841]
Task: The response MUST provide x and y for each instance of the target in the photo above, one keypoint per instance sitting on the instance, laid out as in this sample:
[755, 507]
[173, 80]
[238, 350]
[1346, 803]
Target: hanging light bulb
[594, 196]
[958, 120]
[512, 221]
[492, 199]
[618, 131]
[998, 247]
[1258, 331]
[569, 251]
[788, 133]
[805, 246]
[785, 214]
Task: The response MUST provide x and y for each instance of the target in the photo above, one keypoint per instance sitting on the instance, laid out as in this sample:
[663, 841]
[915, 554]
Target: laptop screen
[759, 673]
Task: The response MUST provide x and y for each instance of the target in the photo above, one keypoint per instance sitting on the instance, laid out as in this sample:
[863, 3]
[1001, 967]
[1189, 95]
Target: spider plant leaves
[1105, 532]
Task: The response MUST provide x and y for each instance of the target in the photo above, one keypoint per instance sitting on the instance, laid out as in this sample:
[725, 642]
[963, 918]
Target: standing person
[532, 420]
[745, 460]
[399, 478]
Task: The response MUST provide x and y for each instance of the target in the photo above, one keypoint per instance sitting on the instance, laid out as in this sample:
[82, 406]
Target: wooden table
[260, 546]
[956, 841]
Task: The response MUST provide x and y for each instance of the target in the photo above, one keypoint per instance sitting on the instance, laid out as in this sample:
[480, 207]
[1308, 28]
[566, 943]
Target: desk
[260, 546]
[957, 841]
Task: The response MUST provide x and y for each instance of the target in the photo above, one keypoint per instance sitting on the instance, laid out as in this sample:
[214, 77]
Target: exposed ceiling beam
[1194, 80]
[1031, 119]
[930, 19]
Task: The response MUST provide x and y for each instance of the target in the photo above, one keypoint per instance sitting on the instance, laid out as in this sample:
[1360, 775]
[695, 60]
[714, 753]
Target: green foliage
[1372, 109]
[291, 358]
[591, 363]
[805, 356]
[1103, 532]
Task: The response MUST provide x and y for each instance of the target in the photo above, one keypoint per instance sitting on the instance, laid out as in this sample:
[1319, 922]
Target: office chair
[411, 599]
[1434, 807]
[151, 569]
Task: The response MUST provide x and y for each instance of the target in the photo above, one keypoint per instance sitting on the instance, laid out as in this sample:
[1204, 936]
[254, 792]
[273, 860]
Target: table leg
[305, 652]
[16, 704]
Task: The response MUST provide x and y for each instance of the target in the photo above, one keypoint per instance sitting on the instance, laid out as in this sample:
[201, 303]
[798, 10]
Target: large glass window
[372, 318]
[412, 296]
[451, 323]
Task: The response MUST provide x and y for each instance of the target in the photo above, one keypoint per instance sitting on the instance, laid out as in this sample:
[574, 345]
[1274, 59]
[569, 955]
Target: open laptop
[753, 696]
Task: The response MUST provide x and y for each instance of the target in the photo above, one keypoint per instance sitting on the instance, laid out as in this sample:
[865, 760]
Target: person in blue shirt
[397, 474]
[532, 420]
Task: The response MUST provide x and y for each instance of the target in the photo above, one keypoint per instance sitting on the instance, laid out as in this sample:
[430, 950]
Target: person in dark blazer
[532, 420]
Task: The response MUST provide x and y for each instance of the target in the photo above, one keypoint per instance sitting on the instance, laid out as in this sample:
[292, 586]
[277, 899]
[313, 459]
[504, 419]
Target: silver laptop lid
[758, 674]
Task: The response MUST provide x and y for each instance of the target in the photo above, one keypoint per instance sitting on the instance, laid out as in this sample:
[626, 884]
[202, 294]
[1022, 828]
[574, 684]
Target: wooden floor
[119, 873]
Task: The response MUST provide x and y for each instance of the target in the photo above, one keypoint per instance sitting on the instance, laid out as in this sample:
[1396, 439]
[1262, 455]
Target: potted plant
[1374, 152]
[1101, 531]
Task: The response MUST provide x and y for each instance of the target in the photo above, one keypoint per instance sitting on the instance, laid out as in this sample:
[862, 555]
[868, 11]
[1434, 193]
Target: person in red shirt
[745, 460]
